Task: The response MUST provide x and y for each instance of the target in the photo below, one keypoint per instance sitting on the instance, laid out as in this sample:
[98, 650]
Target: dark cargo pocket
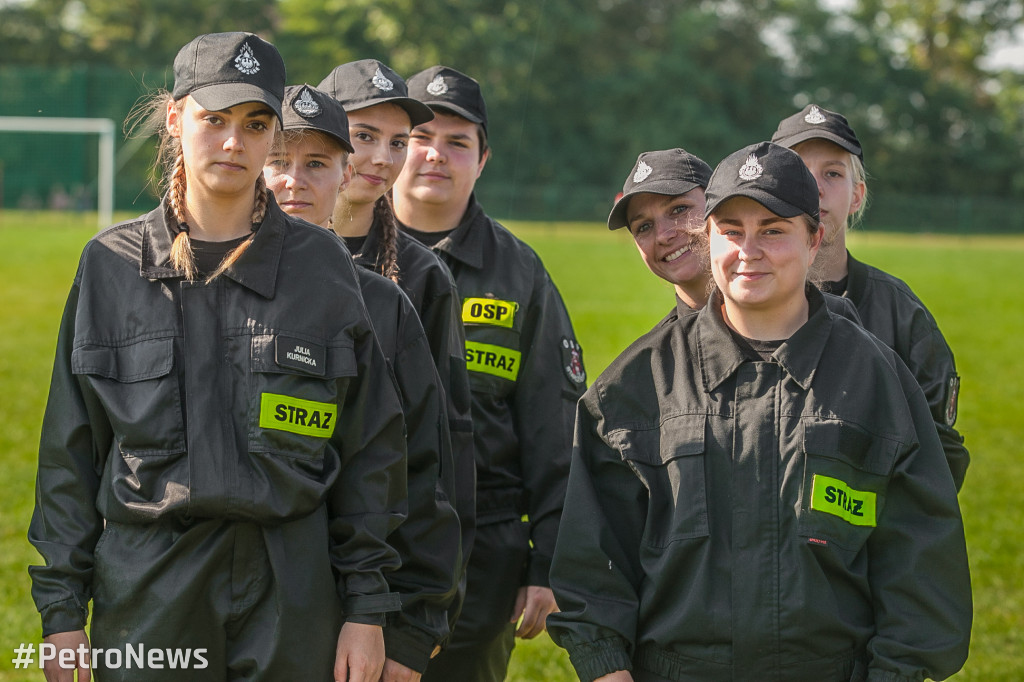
[846, 472]
[669, 459]
[138, 388]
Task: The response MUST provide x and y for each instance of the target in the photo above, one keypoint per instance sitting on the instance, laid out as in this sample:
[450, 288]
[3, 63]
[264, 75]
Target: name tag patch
[494, 360]
[489, 311]
[302, 355]
[304, 417]
[832, 496]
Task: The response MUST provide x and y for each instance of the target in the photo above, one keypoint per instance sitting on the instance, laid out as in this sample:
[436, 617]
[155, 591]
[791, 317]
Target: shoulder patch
[952, 396]
[572, 361]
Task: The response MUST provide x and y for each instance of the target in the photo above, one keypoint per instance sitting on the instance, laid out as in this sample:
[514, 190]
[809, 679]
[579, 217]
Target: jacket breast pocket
[846, 472]
[293, 409]
[669, 460]
[138, 388]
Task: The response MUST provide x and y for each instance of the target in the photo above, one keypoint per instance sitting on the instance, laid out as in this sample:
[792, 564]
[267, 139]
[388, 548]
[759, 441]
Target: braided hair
[383, 212]
[148, 117]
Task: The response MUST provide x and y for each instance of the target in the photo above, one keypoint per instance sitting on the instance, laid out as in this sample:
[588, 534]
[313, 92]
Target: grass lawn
[970, 285]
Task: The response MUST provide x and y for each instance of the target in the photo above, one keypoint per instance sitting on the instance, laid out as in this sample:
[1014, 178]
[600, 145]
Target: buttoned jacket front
[781, 520]
[260, 397]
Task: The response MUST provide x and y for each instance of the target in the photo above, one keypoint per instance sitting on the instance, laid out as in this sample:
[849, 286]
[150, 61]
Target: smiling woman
[776, 460]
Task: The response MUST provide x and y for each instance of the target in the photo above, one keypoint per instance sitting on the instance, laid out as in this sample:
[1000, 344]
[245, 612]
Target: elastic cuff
[408, 646]
[599, 658]
[876, 675]
[68, 615]
[371, 603]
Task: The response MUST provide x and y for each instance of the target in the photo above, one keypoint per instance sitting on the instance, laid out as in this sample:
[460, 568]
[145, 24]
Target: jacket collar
[256, 269]
[719, 357]
[466, 243]
[372, 249]
[857, 279]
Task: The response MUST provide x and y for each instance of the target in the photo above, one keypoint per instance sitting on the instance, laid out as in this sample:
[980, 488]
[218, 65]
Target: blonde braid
[259, 211]
[182, 257]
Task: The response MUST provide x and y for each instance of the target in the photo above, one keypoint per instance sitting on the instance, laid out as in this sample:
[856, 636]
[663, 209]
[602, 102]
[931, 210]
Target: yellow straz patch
[494, 360]
[832, 496]
[304, 417]
[489, 311]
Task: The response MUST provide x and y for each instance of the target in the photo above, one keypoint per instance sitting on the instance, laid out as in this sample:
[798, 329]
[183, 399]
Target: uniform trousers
[256, 602]
[482, 641]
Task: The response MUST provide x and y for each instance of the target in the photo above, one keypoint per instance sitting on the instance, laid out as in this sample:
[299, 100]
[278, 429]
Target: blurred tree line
[577, 88]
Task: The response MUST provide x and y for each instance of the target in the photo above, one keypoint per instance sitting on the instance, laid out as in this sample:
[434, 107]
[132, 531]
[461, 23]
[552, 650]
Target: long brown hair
[148, 117]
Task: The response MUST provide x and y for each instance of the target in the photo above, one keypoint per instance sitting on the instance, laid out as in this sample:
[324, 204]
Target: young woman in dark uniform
[306, 173]
[381, 115]
[662, 205]
[757, 490]
[222, 456]
[887, 306]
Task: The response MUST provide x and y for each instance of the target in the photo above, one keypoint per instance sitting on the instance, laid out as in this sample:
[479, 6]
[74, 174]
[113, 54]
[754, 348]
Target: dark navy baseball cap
[442, 87]
[306, 108]
[222, 70]
[771, 175]
[670, 172]
[368, 82]
[813, 122]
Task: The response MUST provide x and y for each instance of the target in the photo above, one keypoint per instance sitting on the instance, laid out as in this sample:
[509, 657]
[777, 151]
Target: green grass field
[971, 285]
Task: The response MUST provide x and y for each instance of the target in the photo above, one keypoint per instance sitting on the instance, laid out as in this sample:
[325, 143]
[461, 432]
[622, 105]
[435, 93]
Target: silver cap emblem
[814, 116]
[305, 105]
[643, 171]
[382, 82]
[437, 86]
[246, 61]
[751, 170]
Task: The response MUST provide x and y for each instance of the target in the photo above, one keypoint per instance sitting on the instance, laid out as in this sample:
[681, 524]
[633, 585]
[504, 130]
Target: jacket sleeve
[429, 540]
[65, 524]
[920, 580]
[931, 361]
[544, 409]
[596, 570]
[369, 497]
[442, 321]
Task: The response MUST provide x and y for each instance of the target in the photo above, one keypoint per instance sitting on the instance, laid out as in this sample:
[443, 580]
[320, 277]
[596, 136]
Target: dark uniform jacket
[429, 285]
[786, 520]
[891, 311]
[428, 541]
[261, 397]
[526, 374]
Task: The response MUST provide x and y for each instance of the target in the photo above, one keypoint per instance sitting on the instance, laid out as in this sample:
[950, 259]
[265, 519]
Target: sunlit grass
[971, 285]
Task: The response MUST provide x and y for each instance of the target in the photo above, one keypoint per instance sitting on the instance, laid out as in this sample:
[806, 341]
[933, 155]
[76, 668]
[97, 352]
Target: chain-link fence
[60, 171]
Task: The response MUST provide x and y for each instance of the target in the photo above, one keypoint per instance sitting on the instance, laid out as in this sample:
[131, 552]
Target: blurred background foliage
[576, 88]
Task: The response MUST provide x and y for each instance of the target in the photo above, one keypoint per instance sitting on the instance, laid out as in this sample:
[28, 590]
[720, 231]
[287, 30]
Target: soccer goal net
[104, 127]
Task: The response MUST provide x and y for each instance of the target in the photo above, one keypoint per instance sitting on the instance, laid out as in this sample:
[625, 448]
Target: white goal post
[103, 126]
